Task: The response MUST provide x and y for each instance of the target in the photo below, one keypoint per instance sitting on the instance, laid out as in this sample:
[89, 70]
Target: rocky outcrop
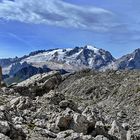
[39, 84]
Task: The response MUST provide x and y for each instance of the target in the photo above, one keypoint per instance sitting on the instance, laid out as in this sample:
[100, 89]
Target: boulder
[68, 103]
[90, 117]
[21, 103]
[118, 131]
[126, 126]
[2, 115]
[45, 132]
[100, 128]
[80, 123]
[63, 122]
[3, 137]
[64, 134]
[4, 127]
[71, 135]
[39, 84]
[100, 137]
[54, 97]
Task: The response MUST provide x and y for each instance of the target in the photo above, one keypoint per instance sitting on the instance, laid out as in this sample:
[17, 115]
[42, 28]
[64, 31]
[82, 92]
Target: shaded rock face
[39, 84]
[65, 109]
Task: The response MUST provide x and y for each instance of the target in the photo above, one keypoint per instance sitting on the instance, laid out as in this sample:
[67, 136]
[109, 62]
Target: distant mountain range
[127, 62]
[65, 60]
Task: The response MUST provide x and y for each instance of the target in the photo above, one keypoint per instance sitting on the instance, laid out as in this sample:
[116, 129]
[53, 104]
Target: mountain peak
[90, 47]
[69, 59]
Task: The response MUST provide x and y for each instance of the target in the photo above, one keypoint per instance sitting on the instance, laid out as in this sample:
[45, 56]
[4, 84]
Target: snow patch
[96, 50]
[131, 59]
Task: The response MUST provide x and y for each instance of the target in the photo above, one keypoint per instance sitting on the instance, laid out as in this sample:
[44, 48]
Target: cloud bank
[56, 12]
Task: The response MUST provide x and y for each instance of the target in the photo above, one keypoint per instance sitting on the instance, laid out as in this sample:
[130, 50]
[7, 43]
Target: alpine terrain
[82, 93]
[63, 60]
[84, 105]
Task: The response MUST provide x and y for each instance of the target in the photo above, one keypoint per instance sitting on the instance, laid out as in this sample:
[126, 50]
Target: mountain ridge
[78, 55]
[70, 60]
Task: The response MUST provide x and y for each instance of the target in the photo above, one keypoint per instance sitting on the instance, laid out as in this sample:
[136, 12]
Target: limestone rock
[64, 134]
[4, 127]
[39, 84]
[63, 122]
[101, 137]
[80, 123]
[54, 97]
[118, 131]
[21, 103]
[45, 132]
[68, 103]
[3, 137]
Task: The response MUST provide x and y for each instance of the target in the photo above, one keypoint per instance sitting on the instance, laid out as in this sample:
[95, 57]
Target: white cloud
[56, 12]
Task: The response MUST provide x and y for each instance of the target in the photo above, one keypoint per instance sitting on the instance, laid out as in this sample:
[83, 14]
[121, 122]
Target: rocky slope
[84, 105]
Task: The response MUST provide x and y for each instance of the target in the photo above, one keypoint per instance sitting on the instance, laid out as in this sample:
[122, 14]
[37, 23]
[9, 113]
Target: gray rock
[39, 84]
[80, 123]
[45, 132]
[3, 137]
[126, 126]
[100, 97]
[68, 103]
[118, 131]
[64, 134]
[63, 122]
[54, 97]
[18, 120]
[101, 137]
[4, 127]
[20, 103]
[100, 128]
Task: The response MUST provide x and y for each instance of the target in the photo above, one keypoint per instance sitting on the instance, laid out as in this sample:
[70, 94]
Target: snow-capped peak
[96, 50]
[69, 58]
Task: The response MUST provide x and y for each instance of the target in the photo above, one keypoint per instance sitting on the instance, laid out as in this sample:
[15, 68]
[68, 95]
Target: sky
[29, 25]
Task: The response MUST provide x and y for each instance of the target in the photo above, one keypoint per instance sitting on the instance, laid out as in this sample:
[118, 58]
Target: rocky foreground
[85, 105]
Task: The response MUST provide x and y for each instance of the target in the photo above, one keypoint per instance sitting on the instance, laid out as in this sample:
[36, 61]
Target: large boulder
[80, 124]
[63, 122]
[39, 84]
[118, 131]
[71, 135]
[45, 132]
[21, 103]
[54, 97]
[68, 103]
[77, 122]
[101, 137]
[4, 127]
[3, 137]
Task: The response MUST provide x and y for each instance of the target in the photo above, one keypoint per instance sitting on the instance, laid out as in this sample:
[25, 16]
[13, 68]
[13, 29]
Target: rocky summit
[84, 105]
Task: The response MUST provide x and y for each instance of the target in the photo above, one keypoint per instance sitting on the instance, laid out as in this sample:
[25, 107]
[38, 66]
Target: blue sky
[28, 25]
